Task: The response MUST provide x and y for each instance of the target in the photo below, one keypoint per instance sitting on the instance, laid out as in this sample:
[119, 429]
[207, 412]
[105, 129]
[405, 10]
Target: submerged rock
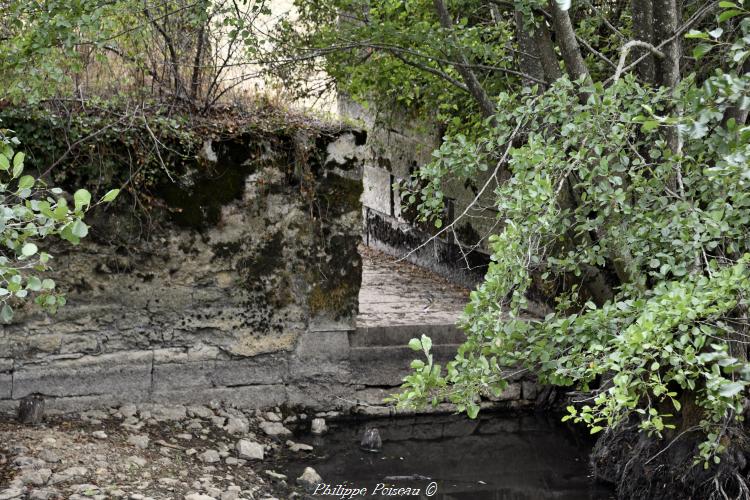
[298, 446]
[371, 441]
[318, 426]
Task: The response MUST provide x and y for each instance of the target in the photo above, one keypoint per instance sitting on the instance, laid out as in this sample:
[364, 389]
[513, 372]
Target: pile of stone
[155, 452]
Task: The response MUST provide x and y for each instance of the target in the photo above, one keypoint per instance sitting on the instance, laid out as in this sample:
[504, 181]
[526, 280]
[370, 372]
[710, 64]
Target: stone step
[387, 366]
[399, 335]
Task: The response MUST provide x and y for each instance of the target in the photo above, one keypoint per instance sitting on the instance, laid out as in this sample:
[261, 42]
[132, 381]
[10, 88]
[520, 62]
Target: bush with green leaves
[597, 194]
[29, 213]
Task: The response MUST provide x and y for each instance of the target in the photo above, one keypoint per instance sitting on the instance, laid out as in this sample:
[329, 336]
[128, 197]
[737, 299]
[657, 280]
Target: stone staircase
[399, 301]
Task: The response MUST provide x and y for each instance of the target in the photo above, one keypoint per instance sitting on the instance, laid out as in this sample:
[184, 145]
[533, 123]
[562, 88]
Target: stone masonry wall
[249, 299]
[394, 153]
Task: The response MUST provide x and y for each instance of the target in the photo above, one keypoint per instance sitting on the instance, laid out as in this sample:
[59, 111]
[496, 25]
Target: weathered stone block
[320, 396]
[377, 189]
[6, 385]
[399, 335]
[263, 369]
[323, 345]
[386, 366]
[530, 389]
[511, 393]
[249, 397]
[127, 374]
[181, 376]
[8, 407]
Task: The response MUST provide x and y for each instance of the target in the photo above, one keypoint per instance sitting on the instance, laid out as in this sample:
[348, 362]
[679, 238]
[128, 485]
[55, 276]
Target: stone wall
[395, 151]
[247, 291]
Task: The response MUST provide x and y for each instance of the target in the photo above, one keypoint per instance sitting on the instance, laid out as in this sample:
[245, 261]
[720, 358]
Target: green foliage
[29, 213]
[596, 190]
[40, 47]
[378, 52]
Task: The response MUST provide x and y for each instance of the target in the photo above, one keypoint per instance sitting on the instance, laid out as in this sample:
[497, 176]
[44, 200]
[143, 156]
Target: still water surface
[491, 458]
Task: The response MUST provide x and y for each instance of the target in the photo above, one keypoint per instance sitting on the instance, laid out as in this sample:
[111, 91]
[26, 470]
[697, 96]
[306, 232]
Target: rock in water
[318, 426]
[309, 478]
[31, 410]
[371, 441]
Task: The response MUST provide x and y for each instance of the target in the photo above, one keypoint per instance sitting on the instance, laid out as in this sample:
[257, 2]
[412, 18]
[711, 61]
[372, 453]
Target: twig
[624, 54]
[500, 163]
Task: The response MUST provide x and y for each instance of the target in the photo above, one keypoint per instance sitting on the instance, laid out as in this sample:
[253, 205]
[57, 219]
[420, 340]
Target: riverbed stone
[295, 447]
[275, 429]
[11, 493]
[249, 450]
[210, 456]
[198, 496]
[139, 441]
[237, 425]
[37, 477]
[309, 478]
[67, 475]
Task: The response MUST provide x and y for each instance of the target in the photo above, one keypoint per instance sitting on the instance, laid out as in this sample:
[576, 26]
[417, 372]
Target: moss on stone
[336, 301]
[339, 195]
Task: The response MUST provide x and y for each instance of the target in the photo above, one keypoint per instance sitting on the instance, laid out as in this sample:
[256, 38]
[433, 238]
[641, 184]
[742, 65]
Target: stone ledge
[127, 374]
[399, 335]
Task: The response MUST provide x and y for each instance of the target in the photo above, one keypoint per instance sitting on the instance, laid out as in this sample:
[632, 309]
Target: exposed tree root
[643, 467]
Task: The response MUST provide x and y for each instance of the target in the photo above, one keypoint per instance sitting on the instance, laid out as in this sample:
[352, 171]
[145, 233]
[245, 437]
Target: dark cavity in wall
[196, 199]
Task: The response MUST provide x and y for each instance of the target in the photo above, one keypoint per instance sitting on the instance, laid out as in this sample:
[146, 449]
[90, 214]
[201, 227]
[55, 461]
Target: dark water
[491, 458]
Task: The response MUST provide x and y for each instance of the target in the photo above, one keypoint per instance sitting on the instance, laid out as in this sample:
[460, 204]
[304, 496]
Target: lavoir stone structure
[249, 293]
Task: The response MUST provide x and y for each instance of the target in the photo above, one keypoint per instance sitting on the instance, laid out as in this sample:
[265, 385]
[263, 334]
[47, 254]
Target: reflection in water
[491, 458]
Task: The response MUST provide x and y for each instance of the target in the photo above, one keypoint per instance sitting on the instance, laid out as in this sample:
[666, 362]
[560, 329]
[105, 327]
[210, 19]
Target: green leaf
[81, 198]
[650, 125]
[729, 14]
[34, 284]
[4, 163]
[29, 249]
[18, 159]
[26, 182]
[415, 345]
[702, 49]
[111, 195]
[17, 170]
[697, 34]
[472, 411]
[6, 313]
[426, 342]
[79, 228]
[731, 389]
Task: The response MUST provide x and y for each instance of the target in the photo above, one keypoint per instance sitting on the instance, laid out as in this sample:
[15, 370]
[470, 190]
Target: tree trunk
[643, 30]
[195, 80]
[529, 60]
[486, 106]
[546, 51]
[666, 21]
[566, 39]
